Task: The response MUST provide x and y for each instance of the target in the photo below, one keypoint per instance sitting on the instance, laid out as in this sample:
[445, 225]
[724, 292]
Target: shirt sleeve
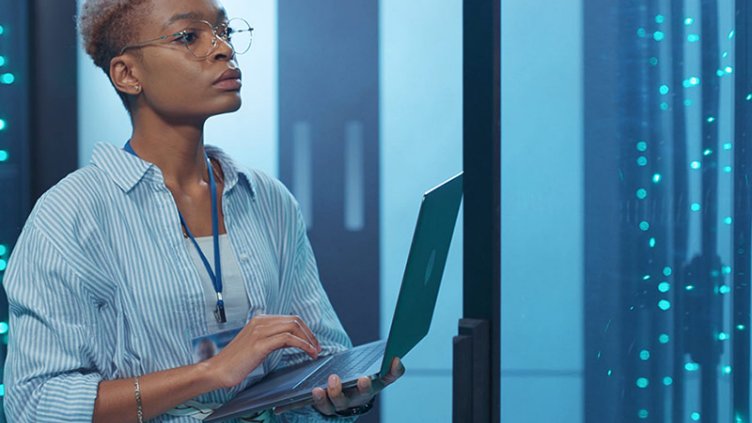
[49, 372]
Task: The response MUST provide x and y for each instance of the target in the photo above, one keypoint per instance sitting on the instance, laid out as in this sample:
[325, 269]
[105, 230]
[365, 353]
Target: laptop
[412, 318]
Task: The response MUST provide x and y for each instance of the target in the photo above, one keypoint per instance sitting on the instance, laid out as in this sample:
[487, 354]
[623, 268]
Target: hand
[260, 337]
[334, 399]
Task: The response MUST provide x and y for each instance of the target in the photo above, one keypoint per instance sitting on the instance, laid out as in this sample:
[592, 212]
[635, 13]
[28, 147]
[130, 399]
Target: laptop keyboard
[347, 364]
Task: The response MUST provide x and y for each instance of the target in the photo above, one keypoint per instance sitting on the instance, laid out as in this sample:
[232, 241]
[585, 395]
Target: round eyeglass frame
[215, 33]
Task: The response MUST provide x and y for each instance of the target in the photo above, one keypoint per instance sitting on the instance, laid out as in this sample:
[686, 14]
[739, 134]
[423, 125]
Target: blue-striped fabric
[101, 286]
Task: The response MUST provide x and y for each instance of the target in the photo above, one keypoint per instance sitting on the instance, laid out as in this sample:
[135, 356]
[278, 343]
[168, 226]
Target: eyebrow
[221, 15]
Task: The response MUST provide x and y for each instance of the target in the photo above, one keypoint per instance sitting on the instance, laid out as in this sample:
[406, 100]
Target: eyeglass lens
[200, 40]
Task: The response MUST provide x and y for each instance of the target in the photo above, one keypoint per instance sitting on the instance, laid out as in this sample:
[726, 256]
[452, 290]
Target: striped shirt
[101, 286]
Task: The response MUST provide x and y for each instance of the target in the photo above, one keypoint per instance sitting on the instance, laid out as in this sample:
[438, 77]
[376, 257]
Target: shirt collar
[127, 170]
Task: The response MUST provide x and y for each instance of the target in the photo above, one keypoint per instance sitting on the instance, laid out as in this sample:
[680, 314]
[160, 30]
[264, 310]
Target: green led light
[724, 289]
[653, 61]
[664, 106]
[645, 277]
[610, 372]
[695, 416]
[691, 367]
[729, 69]
[726, 370]
[4, 328]
[2, 390]
[728, 220]
[664, 287]
[749, 97]
[695, 207]
[720, 73]
[641, 32]
[3, 125]
[664, 338]
[722, 336]
[727, 146]
[3, 155]
[642, 146]
[695, 164]
[727, 169]
[644, 226]
[731, 34]
[664, 304]
[688, 21]
[7, 78]
[642, 161]
[691, 82]
[641, 193]
[642, 414]
[660, 19]
[693, 38]
[3, 265]
[3, 250]
[710, 119]
[2, 30]
[651, 242]
[667, 381]
[2, 61]
[740, 327]
[707, 152]
[642, 382]
[644, 355]
[689, 287]
[667, 271]
[663, 89]
[659, 35]
[726, 270]
[657, 178]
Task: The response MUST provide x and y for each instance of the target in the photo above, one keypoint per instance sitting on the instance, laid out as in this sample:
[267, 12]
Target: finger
[288, 340]
[396, 371]
[364, 386]
[308, 332]
[321, 402]
[293, 324]
[336, 396]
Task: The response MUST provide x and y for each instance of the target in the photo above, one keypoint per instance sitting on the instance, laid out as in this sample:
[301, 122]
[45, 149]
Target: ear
[123, 76]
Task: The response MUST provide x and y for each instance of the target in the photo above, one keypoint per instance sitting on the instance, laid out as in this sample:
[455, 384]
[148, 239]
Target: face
[175, 84]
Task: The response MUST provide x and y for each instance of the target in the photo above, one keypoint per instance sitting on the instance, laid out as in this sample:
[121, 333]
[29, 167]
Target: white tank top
[233, 288]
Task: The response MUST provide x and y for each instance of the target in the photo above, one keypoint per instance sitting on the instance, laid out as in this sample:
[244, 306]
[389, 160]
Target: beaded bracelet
[139, 406]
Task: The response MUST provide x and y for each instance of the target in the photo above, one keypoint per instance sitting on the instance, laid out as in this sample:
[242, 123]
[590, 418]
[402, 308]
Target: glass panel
[618, 212]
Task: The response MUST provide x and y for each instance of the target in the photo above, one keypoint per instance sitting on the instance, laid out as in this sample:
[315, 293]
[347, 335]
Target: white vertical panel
[248, 135]
[354, 177]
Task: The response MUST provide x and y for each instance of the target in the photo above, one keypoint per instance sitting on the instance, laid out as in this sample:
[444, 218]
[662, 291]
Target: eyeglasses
[201, 38]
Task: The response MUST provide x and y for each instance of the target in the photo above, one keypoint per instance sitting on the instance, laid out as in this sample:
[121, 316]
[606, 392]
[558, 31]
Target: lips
[229, 80]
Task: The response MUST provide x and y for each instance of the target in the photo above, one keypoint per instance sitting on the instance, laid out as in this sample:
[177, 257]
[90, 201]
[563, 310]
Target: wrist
[207, 376]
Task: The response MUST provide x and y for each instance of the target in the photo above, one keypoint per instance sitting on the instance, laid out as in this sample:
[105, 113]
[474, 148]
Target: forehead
[169, 13]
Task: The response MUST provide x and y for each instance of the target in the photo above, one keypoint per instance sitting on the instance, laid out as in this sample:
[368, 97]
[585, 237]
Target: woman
[129, 264]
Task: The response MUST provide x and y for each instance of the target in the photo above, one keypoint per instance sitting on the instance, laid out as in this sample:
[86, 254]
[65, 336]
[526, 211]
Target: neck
[176, 149]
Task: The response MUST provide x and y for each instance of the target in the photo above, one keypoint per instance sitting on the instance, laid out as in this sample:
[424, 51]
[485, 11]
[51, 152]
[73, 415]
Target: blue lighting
[664, 89]
[724, 289]
[691, 82]
[657, 178]
[642, 382]
[642, 414]
[728, 146]
[664, 305]
[3, 250]
[658, 36]
[2, 60]
[644, 355]
[644, 226]
[668, 380]
[726, 370]
[641, 32]
[727, 169]
[695, 207]
[3, 125]
[7, 78]
[641, 193]
[2, 30]
[663, 338]
[695, 416]
[667, 271]
[3, 155]
[651, 242]
[722, 336]
[726, 270]
[693, 38]
[711, 119]
[695, 164]
[691, 367]
[642, 161]
[729, 69]
[731, 34]
[688, 21]
[728, 220]
[642, 146]
[3, 265]
[664, 287]
[4, 328]
[660, 19]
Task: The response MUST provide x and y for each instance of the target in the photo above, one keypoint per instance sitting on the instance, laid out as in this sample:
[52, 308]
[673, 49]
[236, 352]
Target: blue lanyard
[216, 278]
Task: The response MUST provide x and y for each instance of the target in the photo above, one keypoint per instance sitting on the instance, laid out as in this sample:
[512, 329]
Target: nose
[223, 50]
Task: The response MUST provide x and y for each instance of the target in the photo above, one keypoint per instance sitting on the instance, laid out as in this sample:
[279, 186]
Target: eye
[187, 36]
